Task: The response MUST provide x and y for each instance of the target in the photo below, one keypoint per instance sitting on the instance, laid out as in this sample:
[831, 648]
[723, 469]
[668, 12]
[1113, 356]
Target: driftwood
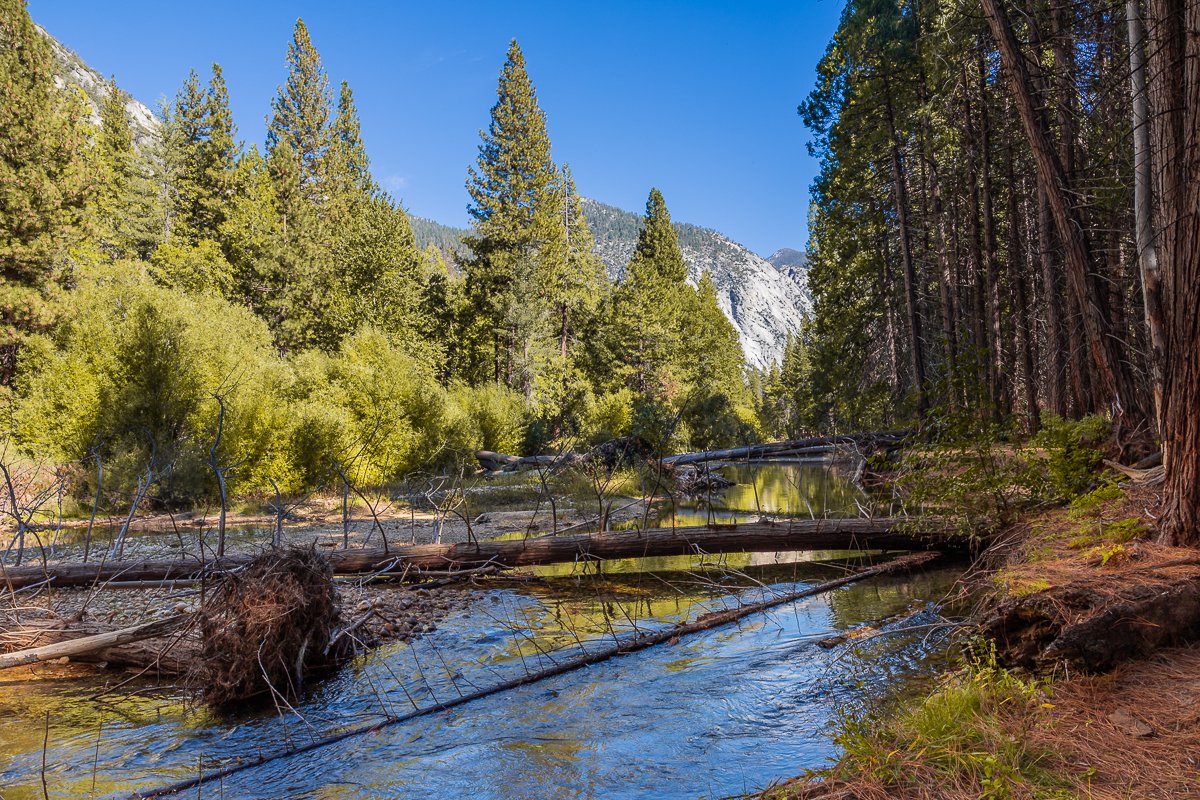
[816, 534]
[790, 448]
[769, 451]
[1150, 476]
[95, 645]
[631, 645]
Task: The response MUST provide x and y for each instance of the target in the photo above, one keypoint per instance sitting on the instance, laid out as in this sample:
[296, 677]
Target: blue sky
[698, 98]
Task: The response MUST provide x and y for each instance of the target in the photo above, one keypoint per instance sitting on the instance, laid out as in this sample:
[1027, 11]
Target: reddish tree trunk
[1174, 83]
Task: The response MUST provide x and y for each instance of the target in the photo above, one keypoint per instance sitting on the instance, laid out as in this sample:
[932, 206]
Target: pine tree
[350, 168]
[718, 408]
[251, 234]
[301, 111]
[648, 308]
[381, 273]
[577, 286]
[127, 206]
[300, 296]
[518, 235]
[45, 177]
[218, 155]
[186, 130]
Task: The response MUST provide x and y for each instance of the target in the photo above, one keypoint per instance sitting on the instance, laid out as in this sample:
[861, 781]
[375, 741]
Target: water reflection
[790, 490]
[717, 714]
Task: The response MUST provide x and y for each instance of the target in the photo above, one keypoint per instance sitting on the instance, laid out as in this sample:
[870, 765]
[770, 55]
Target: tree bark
[1174, 88]
[1056, 348]
[906, 259]
[1143, 203]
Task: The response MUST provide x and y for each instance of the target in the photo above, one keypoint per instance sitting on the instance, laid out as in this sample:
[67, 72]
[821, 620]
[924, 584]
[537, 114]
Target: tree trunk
[761, 537]
[906, 260]
[1056, 347]
[1174, 84]
[97, 643]
[994, 364]
[1143, 203]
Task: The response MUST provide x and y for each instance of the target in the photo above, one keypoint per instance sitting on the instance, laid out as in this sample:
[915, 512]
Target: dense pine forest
[1004, 225]
[195, 310]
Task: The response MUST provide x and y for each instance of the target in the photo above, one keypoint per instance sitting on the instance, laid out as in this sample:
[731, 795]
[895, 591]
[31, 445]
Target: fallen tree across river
[631, 645]
[409, 561]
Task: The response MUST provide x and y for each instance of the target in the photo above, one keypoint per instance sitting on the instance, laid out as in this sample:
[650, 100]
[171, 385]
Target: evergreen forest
[195, 304]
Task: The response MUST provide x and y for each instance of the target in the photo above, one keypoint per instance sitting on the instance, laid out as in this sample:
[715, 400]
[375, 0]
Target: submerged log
[885, 533]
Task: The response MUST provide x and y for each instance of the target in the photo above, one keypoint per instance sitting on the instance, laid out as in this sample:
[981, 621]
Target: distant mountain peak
[765, 301]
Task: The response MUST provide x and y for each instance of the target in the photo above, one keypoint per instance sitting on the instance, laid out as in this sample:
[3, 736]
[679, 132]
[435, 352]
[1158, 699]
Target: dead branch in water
[632, 645]
[85, 645]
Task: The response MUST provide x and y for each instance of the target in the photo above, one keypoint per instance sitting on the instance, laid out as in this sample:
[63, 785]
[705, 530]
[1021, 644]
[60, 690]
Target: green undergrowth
[980, 476]
[969, 736]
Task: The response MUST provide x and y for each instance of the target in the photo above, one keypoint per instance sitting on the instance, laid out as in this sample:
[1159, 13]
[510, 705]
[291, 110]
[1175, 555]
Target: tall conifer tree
[648, 307]
[45, 178]
[517, 232]
[301, 110]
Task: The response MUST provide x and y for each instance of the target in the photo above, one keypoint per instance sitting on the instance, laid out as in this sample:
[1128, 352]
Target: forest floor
[1054, 730]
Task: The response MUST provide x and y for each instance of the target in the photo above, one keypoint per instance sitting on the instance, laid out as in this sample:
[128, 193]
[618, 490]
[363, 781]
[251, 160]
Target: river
[719, 713]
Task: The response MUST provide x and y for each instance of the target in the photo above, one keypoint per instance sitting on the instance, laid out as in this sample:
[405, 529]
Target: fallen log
[885, 533]
[789, 447]
[634, 644]
[97, 643]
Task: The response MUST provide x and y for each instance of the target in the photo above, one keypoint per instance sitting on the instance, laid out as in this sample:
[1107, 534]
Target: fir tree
[251, 234]
[186, 130]
[648, 307]
[518, 235]
[301, 111]
[126, 207]
[218, 155]
[577, 287]
[349, 168]
[46, 180]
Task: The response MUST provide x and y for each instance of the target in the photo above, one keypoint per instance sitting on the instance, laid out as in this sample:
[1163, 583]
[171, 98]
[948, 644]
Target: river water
[719, 713]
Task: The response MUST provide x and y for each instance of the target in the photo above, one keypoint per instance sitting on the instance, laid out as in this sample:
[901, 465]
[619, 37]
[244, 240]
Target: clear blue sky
[698, 98]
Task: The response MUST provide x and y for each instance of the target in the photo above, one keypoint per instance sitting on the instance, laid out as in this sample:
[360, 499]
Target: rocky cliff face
[70, 70]
[765, 302]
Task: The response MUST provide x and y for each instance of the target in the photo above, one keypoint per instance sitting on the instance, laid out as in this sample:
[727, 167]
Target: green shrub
[488, 417]
[1074, 453]
[609, 417]
[136, 370]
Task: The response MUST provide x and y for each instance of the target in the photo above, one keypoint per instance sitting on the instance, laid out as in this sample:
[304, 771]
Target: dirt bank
[1084, 684]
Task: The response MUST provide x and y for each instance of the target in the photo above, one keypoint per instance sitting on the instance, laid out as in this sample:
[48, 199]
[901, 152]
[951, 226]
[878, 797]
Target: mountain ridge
[765, 301]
